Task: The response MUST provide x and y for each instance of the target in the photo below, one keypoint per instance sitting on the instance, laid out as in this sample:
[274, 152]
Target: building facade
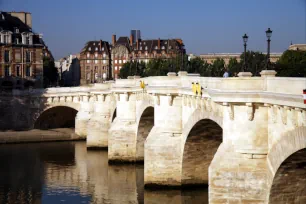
[95, 62]
[211, 57]
[301, 47]
[124, 50]
[69, 70]
[21, 52]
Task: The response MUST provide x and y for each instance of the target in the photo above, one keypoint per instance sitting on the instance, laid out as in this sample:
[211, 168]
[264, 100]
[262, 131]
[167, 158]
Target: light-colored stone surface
[263, 122]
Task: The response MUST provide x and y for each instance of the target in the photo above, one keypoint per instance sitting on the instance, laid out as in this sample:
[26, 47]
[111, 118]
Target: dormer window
[16, 30]
[140, 48]
[96, 49]
[146, 48]
[169, 47]
[166, 43]
[144, 43]
[163, 47]
[89, 48]
[102, 48]
[156, 47]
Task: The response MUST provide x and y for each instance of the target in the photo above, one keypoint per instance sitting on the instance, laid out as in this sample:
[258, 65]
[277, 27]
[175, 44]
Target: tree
[234, 67]
[255, 62]
[50, 72]
[217, 68]
[292, 63]
[197, 65]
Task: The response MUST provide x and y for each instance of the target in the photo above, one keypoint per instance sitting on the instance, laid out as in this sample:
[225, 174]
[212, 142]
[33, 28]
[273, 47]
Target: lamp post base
[245, 74]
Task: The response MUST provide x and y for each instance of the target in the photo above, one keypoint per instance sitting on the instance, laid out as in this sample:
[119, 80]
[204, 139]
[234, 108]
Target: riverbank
[35, 135]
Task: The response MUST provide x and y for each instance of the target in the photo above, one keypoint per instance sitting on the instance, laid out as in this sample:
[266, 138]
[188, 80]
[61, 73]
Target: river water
[66, 172]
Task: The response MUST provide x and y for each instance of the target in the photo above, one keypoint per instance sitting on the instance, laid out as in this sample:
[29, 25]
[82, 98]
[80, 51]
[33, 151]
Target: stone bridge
[242, 136]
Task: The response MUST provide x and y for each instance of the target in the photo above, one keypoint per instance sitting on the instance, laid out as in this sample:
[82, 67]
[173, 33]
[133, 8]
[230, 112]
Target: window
[146, 54]
[102, 48]
[7, 70]
[28, 56]
[116, 61]
[18, 70]
[156, 47]
[96, 61]
[104, 55]
[169, 47]
[96, 49]
[116, 68]
[17, 41]
[163, 47]
[166, 43]
[146, 48]
[28, 71]
[124, 61]
[88, 61]
[18, 57]
[6, 56]
[16, 30]
[140, 48]
[120, 61]
[119, 67]
[89, 48]
[104, 61]
[96, 55]
[28, 40]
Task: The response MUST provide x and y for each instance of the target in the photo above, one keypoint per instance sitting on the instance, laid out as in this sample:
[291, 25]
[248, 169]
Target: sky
[206, 26]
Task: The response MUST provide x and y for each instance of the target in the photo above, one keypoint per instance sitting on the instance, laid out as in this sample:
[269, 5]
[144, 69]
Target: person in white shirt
[225, 74]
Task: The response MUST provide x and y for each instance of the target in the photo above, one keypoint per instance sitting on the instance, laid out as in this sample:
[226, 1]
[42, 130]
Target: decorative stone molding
[126, 96]
[170, 99]
[284, 114]
[157, 100]
[250, 111]
[244, 74]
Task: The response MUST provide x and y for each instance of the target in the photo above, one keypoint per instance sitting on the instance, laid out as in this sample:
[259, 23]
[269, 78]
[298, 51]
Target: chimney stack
[100, 45]
[114, 39]
[158, 43]
[131, 40]
[137, 44]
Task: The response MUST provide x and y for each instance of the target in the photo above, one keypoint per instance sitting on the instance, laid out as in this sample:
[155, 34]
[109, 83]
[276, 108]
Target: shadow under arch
[145, 124]
[56, 117]
[289, 182]
[287, 163]
[199, 144]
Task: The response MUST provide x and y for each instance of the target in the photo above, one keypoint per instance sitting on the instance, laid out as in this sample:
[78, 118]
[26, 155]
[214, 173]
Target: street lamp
[245, 40]
[268, 34]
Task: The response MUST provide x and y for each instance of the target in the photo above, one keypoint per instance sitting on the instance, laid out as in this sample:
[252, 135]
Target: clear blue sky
[204, 25]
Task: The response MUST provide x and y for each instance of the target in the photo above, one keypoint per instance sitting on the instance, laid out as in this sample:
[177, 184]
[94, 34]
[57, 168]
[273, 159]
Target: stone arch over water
[287, 162]
[145, 124]
[56, 117]
[199, 147]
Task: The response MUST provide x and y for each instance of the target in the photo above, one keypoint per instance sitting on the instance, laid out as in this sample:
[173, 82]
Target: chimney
[158, 43]
[114, 39]
[131, 40]
[100, 45]
[137, 44]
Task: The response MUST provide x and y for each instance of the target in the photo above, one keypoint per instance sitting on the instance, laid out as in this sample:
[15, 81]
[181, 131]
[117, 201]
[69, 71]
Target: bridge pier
[84, 115]
[123, 131]
[99, 124]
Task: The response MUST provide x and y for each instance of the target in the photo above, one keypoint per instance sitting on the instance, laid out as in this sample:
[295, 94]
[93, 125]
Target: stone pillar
[123, 131]
[99, 124]
[83, 115]
[239, 171]
[163, 149]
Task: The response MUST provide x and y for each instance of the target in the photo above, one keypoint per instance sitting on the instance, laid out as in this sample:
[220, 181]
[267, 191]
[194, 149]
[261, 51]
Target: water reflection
[65, 172]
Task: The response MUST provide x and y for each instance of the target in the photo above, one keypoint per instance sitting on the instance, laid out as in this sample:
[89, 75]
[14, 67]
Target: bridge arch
[201, 138]
[144, 125]
[56, 117]
[287, 162]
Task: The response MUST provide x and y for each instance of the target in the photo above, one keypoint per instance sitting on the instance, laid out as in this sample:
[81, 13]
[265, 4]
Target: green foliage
[217, 68]
[292, 64]
[233, 67]
[197, 65]
[255, 62]
[50, 72]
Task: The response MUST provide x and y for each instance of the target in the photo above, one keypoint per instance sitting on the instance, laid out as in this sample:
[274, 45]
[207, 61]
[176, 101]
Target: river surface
[66, 172]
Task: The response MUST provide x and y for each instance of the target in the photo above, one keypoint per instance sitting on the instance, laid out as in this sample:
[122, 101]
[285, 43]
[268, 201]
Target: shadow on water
[67, 172]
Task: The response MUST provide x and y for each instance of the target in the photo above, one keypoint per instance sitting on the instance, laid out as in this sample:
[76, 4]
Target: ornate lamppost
[245, 40]
[268, 34]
